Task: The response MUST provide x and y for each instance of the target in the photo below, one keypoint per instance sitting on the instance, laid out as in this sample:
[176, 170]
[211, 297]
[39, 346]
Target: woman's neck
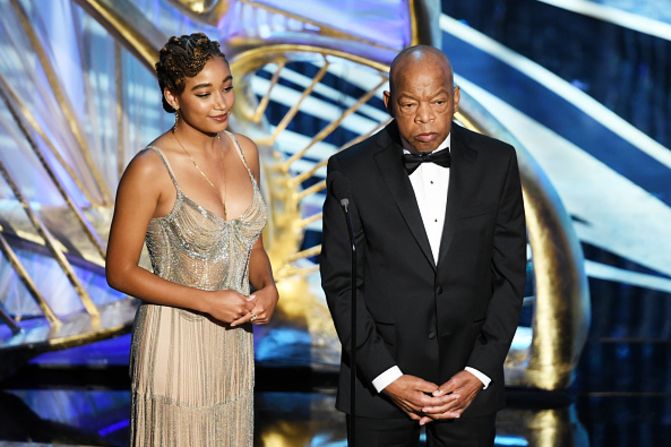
[195, 140]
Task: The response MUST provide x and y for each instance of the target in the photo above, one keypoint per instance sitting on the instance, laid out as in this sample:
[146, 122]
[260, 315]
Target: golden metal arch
[561, 310]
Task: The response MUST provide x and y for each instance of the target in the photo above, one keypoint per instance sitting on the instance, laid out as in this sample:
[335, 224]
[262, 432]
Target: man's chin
[426, 147]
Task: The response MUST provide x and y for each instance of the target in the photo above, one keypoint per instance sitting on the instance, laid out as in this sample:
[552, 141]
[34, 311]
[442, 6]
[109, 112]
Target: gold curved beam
[29, 119]
[415, 26]
[51, 243]
[129, 26]
[27, 281]
[9, 321]
[559, 280]
[326, 131]
[253, 58]
[263, 104]
[121, 128]
[291, 113]
[424, 25]
[63, 101]
[561, 314]
[7, 96]
[324, 29]
[207, 11]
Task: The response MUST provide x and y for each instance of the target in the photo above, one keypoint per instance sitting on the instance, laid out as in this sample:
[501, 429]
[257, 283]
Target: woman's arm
[260, 270]
[138, 196]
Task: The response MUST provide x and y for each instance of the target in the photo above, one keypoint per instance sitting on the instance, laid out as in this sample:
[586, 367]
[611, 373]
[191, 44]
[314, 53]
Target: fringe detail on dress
[159, 422]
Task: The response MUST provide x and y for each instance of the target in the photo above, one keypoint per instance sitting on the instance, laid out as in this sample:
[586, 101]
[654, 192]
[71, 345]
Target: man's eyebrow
[407, 95]
[440, 91]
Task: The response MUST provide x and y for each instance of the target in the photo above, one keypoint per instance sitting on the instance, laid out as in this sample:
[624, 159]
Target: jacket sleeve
[372, 355]
[508, 267]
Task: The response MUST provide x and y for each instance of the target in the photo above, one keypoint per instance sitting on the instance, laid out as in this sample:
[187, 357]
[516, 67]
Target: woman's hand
[229, 306]
[266, 300]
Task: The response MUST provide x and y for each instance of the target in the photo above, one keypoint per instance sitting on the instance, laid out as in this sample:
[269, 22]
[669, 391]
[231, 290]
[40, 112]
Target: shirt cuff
[386, 378]
[481, 377]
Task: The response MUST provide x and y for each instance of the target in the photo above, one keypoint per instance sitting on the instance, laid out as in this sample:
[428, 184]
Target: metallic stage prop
[79, 99]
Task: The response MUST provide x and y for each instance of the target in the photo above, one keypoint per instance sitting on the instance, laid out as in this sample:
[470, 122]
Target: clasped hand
[235, 308]
[424, 401]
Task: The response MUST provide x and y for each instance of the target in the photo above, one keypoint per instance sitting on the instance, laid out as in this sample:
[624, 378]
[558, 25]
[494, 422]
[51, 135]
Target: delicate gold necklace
[207, 179]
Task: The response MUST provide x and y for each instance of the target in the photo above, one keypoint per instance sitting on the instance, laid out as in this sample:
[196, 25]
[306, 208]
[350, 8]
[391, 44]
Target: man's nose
[424, 113]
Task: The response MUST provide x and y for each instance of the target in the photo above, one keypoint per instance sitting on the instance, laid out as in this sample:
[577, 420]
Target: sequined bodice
[197, 248]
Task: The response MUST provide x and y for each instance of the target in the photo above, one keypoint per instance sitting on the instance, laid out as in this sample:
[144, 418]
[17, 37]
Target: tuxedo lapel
[462, 155]
[388, 159]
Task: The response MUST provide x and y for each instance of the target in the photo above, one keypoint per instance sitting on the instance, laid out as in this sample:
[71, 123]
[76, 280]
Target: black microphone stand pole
[345, 206]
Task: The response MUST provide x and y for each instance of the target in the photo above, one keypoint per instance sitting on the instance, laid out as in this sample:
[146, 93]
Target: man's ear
[171, 98]
[456, 95]
[386, 97]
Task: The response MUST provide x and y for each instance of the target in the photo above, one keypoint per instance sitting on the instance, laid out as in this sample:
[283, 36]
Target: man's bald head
[422, 97]
[419, 56]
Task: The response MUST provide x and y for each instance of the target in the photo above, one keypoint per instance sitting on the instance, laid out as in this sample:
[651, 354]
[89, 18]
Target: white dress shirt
[430, 183]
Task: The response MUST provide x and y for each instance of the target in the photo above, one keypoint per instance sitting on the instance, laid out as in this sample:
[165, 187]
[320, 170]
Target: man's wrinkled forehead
[419, 58]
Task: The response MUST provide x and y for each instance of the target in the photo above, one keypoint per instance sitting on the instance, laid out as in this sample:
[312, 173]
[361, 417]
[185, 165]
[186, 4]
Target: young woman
[193, 197]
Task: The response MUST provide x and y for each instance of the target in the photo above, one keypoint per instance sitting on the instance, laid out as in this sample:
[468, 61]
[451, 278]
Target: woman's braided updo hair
[183, 57]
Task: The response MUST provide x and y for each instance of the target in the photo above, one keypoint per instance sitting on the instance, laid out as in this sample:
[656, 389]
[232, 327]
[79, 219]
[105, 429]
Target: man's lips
[426, 137]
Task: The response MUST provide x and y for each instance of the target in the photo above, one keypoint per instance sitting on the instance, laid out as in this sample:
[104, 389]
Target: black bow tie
[413, 160]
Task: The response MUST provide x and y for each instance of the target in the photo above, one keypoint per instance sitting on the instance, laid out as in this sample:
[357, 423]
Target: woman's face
[208, 98]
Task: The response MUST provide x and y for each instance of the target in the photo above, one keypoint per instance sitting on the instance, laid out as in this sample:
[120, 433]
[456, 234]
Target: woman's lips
[220, 118]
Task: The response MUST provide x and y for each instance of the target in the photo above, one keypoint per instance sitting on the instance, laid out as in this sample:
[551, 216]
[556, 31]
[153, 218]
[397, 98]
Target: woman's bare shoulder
[248, 146]
[148, 162]
[250, 151]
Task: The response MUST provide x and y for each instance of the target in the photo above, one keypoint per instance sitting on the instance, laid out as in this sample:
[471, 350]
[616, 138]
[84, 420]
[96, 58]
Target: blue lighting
[510, 440]
[114, 427]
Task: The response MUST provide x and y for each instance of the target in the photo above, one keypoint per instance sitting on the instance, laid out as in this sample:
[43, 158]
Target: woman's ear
[171, 99]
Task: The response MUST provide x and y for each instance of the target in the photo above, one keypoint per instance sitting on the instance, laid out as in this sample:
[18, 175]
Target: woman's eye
[203, 95]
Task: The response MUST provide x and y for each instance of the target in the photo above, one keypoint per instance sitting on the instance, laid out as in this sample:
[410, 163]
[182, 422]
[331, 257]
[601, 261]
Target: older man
[439, 227]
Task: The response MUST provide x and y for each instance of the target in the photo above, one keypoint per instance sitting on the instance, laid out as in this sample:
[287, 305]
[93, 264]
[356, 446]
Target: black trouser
[466, 432]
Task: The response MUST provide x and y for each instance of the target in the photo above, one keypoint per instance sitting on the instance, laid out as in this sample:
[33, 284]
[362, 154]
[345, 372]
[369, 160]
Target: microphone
[344, 203]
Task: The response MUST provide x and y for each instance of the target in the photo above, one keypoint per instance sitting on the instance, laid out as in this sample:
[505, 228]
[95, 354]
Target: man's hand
[465, 386]
[411, 394]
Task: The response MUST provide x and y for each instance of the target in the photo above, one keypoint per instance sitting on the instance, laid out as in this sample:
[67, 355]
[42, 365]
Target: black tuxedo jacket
[430, 320]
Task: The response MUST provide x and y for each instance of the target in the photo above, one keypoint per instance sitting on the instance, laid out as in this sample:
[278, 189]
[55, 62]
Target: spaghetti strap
[231, 135]
[167, 165]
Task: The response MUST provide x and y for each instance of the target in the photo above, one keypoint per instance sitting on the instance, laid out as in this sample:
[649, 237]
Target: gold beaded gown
[192, 378]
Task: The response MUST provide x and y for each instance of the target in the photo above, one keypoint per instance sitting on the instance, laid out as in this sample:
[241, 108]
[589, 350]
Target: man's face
[423, 102]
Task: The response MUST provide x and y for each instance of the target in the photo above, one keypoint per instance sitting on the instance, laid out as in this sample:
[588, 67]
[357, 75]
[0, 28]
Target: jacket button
[439, 290]
[432, 335]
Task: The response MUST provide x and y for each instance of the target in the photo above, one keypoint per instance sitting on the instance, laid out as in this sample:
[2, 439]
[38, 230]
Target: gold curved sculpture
[561, 301]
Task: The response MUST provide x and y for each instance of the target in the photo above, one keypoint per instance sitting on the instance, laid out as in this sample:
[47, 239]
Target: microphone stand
[345, 206]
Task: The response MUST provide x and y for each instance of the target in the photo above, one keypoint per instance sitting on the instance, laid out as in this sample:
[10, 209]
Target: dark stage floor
[87, 406]
[297, 418]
